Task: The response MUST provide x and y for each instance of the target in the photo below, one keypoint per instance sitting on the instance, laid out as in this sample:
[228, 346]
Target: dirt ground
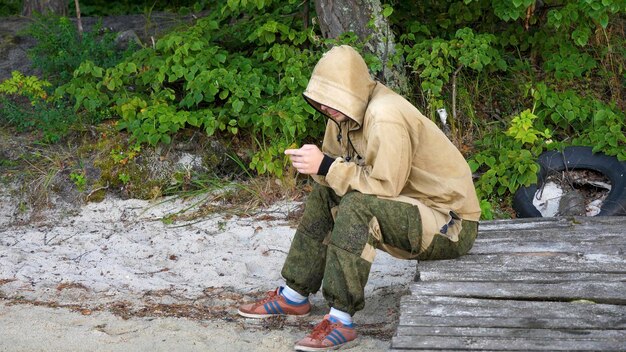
[114, 276]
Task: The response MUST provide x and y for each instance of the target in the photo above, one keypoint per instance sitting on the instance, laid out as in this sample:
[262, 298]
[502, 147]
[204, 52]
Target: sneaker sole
[261, 316]
[346, 345]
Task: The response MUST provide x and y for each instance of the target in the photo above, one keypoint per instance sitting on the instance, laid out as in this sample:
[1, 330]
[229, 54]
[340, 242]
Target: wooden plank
[599, 292]
[423, 311]
[514, 291]
[468, 343]
[544, 307]
[479, 274]
[587, 244]
[532, 262]
[582, 323]
[572, 334]
[550, 232]
[508, 225]
[580, 223]
[517, 238]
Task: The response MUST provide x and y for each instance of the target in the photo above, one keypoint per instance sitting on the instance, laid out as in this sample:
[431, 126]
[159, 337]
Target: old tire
[570, 159]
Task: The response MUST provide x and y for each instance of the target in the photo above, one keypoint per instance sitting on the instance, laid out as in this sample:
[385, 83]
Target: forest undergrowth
[209, 107]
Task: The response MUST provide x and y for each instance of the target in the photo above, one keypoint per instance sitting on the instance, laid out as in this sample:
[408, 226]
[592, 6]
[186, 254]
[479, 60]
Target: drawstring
[340, 137]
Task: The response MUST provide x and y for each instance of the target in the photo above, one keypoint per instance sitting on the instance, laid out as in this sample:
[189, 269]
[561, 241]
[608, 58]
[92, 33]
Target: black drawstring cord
[339, 138]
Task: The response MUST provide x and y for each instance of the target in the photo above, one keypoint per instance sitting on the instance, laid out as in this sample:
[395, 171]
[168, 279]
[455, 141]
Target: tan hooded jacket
[388, 148]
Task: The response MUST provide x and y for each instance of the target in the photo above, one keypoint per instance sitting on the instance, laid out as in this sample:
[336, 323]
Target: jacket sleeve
[387, 164]
[330, 147]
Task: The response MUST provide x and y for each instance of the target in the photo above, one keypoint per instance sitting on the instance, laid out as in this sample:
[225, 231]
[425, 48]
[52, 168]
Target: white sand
[112, 276]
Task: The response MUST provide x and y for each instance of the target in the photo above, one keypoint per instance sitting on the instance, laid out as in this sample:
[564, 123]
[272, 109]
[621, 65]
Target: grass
[44, 174]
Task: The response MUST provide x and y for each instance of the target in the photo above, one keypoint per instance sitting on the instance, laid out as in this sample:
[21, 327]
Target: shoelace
[321, 330]
[270, 296]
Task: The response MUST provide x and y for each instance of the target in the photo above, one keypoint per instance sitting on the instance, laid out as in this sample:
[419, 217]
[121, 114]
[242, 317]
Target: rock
[572, 203]
[14, 44]
[124, 39]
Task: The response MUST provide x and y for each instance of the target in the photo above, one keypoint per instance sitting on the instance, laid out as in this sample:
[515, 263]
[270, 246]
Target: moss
[211, 161]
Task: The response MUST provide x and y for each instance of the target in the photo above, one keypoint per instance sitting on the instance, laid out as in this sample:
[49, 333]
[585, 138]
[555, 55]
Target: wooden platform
[548, 284]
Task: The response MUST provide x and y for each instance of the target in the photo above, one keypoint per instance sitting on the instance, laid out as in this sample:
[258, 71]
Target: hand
[307, 159]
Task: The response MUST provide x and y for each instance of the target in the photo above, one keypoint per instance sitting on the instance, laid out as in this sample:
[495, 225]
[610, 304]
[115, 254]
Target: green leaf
[237, 106]
[387, 11]
[153, 139]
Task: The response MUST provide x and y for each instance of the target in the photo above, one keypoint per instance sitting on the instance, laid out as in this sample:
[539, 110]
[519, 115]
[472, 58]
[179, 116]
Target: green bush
[10, 7]
[26, 105]
[60, 50]
[241, 78]
[542, 69]
[526, 77]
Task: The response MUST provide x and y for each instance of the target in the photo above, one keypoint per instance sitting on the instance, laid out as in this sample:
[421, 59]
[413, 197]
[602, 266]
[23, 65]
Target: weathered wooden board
[532, 262]
[446, 343]
[596, 291]
[573, 243]
[479, 274]
[527, 285]
[571, 334]
[486, 313]
[536, 308]
[586, 224]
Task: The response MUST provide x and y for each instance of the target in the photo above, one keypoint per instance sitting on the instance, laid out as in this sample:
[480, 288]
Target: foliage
[242, 78]
[79, 180]
[583, 120]
[10, 7]
[437, 59]
[25, 104]
[28, 86]
[60, 50]
[509, 157]
[529, 75]
[555, 59]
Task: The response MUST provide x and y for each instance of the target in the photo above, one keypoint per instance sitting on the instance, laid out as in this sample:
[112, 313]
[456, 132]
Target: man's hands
[307, 159]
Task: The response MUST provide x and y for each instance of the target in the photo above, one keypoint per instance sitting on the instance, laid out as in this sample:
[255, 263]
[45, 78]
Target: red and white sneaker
[330, 334]
[275, 304]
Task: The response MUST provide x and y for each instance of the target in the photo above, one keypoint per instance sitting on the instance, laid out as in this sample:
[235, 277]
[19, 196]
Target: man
[387, 178]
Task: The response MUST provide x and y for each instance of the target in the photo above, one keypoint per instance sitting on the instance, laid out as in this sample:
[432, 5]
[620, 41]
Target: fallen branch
[96, 190]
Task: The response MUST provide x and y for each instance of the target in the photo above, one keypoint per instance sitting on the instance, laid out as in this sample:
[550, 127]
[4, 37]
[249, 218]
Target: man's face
[334, 114]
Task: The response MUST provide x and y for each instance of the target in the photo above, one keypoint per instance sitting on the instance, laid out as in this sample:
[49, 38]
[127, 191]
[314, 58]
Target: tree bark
[340, 16]
[79, 22]
[30, 7]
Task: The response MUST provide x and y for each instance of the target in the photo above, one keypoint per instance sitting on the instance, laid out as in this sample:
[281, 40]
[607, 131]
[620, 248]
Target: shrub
[25, 105]
[243, 78]
[60, 50]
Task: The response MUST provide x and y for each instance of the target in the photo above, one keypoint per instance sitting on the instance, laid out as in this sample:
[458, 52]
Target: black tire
[570, 159]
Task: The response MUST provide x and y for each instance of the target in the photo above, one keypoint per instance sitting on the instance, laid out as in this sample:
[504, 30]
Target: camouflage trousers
[331, 248]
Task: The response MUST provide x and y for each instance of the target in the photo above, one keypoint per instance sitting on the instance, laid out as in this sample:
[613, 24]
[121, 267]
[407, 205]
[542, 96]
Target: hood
[341, 80]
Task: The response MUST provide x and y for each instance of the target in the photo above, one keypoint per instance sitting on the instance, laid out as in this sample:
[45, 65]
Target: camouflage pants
[332, 248]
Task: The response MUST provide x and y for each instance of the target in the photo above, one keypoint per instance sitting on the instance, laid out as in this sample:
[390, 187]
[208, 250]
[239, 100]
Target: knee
[353, 201]
[351, 231]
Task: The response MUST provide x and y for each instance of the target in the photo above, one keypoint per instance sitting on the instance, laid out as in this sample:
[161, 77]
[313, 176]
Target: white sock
[343, 317]
[293, 295]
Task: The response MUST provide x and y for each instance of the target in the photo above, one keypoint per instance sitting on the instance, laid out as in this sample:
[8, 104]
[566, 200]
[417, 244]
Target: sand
[114, 276]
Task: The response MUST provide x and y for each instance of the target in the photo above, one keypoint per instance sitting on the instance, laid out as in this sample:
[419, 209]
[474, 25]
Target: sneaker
[330, 334]
[275, 304]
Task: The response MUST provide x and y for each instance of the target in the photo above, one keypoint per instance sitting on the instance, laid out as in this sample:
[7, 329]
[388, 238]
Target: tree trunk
[340, 16]
[31, 7]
